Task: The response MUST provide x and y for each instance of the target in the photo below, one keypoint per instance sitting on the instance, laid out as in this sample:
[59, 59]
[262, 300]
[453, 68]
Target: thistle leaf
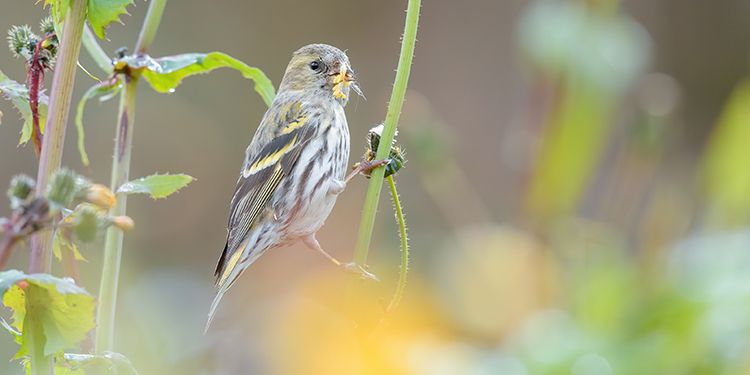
[157, 186]
[18, 95]
[166, 73]
[101, 13]
[63, 310]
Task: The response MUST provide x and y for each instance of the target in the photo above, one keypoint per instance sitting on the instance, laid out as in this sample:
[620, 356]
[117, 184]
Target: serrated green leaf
[109, 88]
[166, 73]
[63, 310]
[18, 95]
[101, 13]
[157, 186]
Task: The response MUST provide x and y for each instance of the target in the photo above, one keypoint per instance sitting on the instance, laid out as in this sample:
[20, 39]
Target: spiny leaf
[108, 87]
[64, 310]
[158, 185]
[101, 13]
[18, 94]
[166, 73]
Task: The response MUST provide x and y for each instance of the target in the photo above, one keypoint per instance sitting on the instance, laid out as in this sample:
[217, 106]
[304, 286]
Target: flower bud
[124, 223]
[101, 196]
[21, 187]
[63, 188]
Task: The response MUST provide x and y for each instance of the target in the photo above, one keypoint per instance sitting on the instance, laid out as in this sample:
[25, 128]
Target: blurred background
[577, 192]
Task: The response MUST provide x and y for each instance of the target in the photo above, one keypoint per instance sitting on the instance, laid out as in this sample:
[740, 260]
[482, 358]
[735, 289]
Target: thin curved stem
[96, 51]
[404, 270]
[367, 222]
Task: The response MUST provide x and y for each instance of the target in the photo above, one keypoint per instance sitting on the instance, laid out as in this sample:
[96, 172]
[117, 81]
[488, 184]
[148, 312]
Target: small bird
[295, 165]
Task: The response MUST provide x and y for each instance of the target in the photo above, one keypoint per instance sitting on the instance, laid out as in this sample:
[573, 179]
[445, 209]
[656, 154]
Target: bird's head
[321, 69]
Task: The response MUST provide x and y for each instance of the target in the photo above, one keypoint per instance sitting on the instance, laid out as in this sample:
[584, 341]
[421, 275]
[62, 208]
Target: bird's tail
[214, 305]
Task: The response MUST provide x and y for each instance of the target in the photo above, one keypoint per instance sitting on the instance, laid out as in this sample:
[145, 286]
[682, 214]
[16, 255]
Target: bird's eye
[315, 65]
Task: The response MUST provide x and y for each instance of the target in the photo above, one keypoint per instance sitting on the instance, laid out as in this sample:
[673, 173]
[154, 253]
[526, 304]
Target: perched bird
[295, 165]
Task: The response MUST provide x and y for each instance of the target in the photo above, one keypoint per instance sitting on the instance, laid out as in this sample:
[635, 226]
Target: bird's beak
[345, 77]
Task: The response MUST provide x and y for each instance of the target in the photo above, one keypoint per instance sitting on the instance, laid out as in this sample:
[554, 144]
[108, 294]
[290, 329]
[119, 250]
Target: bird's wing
[263, 171]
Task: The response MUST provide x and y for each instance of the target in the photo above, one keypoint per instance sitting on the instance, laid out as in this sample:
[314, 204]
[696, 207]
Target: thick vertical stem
[57, 119]
[367, 222]
[120, 174]
[114, 236]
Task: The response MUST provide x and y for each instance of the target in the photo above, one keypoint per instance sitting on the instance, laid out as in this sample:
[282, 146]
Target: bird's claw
[367, 166]
[356, 268]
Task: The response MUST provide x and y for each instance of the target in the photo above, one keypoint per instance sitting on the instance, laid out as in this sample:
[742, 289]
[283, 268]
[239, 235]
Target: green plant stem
[114, 236]
[404, 270]
[39, 363]
[57, 120]
[367, 222]
[150, 25]
[120, 175]
[96, 51]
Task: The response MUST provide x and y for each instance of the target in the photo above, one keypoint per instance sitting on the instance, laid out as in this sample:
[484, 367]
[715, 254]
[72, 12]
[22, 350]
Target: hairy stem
[367, 222]
[57, 119]
[96, 51]
[404, 270]
[120, 174]
[114, 237]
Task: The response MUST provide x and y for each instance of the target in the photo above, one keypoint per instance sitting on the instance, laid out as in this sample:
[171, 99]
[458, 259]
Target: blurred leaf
[606, 50]
[63, 310]
[62, 243]
[107, 88]
[109, 362]
[726, 176]
[166, 73]
[101, 13]
[158, 185]
[574, 138]
[18, 94]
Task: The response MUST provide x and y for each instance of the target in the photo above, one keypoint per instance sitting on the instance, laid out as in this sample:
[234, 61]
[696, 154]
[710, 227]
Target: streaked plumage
[295, 165]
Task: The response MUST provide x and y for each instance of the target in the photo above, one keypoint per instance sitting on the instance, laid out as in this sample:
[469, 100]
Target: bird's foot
[356, 268]
[366, 167]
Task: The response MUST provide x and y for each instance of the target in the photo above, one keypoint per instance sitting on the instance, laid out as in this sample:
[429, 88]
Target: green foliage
[109, 362]
[166, 73]
[101, 13]
[106, 90]
[18, 95]
[63, 311]
[726, 176]
[157, 185]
